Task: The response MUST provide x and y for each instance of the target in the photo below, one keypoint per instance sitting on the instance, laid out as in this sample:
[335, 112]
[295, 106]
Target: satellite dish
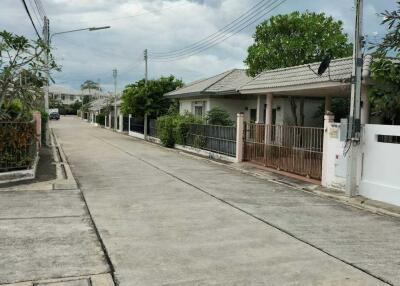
[324, 65]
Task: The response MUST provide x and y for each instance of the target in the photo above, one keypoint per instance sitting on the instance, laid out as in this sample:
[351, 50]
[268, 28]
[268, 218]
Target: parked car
[54, 115]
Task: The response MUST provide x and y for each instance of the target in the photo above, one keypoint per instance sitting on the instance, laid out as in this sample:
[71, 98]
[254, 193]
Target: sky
[159, 26]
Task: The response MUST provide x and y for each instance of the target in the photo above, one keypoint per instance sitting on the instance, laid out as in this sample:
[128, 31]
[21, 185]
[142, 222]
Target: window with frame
[198, 111]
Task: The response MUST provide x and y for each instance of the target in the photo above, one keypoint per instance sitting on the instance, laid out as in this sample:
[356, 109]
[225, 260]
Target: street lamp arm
[78, 30]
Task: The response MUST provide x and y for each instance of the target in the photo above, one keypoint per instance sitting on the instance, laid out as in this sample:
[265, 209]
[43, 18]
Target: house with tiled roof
[288, 90]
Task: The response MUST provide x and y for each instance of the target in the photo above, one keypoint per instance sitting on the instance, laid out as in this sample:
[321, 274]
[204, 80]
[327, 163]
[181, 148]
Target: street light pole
[115, 98]
[47, 38]
[354, 127]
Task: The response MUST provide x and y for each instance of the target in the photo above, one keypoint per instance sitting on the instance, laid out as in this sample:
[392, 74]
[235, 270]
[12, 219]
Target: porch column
[364, 105]
[328, 104]
[239, 137]
[268, 115]
[260, 109]
[328, 120]
[268, 119]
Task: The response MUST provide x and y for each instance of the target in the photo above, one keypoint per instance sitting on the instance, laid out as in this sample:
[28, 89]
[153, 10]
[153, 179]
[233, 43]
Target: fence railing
[152, 128]
[18, 145]
[288, 148]
[137, 125]
[125, 123]
[214, 138]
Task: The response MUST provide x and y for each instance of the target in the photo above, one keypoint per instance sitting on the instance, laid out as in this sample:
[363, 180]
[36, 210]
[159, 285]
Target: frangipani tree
[22, 75]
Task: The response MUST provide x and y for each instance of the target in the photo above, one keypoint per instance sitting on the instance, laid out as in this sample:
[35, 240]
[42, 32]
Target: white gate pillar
[328, 120]
[121, 123]
[129, 123]
[239, 137]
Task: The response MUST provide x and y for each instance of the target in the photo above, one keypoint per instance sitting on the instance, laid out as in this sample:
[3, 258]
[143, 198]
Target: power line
[35, 13]
[236, 29]
[30, 17]
[248, 13]
[40, 7]
[217, 41]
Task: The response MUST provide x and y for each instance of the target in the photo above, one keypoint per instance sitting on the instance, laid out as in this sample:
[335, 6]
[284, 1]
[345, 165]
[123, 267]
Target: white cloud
[158, 25]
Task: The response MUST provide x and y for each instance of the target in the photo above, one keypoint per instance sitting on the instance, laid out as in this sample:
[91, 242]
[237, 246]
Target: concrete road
[46, 235]
[169, 219]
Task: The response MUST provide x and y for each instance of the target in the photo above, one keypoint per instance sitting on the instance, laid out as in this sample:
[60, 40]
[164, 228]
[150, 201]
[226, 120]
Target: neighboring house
[235, 92]
[64, 95]
[68, 96]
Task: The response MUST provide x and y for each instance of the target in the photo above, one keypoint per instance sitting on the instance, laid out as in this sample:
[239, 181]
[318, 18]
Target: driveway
[169, 219]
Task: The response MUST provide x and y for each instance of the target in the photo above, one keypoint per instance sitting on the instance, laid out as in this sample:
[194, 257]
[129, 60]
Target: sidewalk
[46, 233]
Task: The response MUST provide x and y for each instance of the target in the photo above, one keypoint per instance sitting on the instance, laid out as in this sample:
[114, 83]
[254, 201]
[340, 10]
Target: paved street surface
[169, 219]
[46, 234]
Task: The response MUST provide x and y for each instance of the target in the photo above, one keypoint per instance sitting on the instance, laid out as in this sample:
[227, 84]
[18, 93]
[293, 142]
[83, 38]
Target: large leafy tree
[384, 94]
[138, 99]
[295, 39]
[22, 75]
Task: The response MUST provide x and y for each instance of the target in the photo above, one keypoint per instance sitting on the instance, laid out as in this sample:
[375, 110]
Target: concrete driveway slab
[168, 219]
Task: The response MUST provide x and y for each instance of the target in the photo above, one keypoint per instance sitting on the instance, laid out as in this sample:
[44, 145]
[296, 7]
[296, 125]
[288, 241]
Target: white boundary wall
[380, 175]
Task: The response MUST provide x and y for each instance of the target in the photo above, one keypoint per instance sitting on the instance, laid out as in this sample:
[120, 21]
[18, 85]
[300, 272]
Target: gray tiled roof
[226, 82]
[340, 70]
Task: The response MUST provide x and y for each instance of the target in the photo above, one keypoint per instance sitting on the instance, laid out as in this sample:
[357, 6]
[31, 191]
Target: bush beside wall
[172, 129]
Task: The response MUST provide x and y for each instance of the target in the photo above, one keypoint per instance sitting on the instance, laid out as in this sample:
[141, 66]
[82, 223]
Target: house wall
[311, 106]
[380, 178]
[280, 104]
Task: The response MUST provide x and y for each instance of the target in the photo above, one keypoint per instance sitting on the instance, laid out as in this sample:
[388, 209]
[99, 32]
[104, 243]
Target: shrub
[173, 128]
[17, 143]
[218, 116]
[165, 130]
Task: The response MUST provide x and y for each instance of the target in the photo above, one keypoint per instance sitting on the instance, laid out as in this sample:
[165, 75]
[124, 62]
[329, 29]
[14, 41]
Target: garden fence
[214, 138]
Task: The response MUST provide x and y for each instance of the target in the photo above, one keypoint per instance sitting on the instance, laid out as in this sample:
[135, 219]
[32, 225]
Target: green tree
[137, 99]
[218, 116]
[296, 39]
[384, 94]
[391, 41]
[90, 85]
[22, 75]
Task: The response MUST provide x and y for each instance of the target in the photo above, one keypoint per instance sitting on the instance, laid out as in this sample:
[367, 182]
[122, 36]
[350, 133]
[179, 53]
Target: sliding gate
[291, 149]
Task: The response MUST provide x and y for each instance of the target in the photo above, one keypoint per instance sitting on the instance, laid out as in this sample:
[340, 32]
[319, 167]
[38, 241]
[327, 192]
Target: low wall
[380, 173]
[208, 154]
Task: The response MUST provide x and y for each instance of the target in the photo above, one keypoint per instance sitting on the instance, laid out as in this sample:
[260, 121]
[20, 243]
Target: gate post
[129, 123]
[121, 123]
[239, 137]
[328, 119]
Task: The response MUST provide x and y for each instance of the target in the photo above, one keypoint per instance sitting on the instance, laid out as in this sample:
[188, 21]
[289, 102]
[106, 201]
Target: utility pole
[354, 127]
[115, 98]
[46, 39]
[145, 86]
